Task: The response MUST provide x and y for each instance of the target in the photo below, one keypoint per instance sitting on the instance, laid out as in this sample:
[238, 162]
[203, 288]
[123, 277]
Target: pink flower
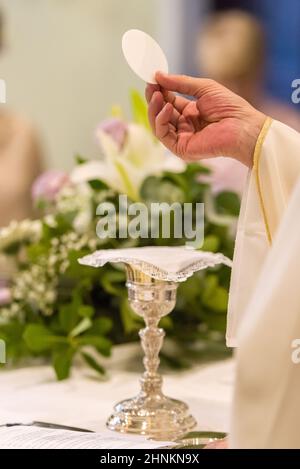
[226, 175]
[115, 128]
[49, 184]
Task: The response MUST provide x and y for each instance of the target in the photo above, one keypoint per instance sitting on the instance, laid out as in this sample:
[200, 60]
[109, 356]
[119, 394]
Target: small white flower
[15, 309]
[18, 232]
[64, 266]
[50, 221]
[52, 260]
[54, 242]
[82, 221]
[50, 296]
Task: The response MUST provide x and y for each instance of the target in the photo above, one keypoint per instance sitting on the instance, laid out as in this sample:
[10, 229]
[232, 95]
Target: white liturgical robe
[264, 309]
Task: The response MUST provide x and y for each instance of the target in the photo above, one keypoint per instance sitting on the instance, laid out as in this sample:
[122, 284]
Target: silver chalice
[153, 274]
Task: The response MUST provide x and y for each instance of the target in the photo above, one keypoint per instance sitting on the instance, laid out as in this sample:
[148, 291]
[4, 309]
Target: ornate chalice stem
[152, 299]
[152, 339]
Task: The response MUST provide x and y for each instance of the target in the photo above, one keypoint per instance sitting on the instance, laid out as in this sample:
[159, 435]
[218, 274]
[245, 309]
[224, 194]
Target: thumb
[183, 84]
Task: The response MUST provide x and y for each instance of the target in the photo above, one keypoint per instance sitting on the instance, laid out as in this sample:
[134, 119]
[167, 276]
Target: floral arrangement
[51, 307]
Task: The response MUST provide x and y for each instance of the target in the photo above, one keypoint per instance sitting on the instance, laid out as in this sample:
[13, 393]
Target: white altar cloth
[86, 401]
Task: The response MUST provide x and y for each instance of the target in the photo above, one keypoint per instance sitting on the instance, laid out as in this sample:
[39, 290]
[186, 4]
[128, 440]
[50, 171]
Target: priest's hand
[216, 123]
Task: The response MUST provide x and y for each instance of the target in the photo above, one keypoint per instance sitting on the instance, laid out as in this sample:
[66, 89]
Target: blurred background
[64, 69]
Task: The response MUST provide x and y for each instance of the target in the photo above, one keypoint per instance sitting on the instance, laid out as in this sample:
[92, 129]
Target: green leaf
[68, 317]
[40, 339]
[93, 363]
[98, 185]
[42, 204]
[80, 159]
[113, 282]
[218, 301]
[157, 190]
[77, 271]
[210, 284]
[83, 326]
[12, 249]
[12, 331]
[191, 290]
[130, 188]
[65, 221]
[102, 344]
[166, 323]
[12, 334]
[36, 251]
[139, 109]
[216, 322]
[211, 243]
[86, 311]
[101, 326]
[62, 362]
[178, 180]
[48, 233]
[229, 203]
[214, 296]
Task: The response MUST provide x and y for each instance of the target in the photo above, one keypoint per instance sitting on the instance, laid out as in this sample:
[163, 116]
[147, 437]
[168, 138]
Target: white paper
[30, 437]
[144, 55]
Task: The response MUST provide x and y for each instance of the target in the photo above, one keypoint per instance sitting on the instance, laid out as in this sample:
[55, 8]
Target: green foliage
[79, 159]
[139, 109]
[90, 311]
[93, 363]
[12, 334]
[229, 203]
[72, 335]
[39, 338]
[98, 185]
[214, 296]
[62, 362]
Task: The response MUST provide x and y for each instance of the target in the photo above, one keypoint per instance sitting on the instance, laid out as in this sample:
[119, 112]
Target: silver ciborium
[153, 274]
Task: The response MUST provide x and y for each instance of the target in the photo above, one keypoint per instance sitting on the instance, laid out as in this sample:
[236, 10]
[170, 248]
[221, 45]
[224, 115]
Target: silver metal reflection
[151, 413]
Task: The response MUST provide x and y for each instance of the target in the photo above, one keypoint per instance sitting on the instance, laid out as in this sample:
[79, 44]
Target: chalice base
[157, 417]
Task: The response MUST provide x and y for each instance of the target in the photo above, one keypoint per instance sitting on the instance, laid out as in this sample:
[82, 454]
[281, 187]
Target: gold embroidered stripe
[256, 159]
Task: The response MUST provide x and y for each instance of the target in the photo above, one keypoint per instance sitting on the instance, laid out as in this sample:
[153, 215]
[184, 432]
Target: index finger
[150, 90]
[178, 102]
[183, 84]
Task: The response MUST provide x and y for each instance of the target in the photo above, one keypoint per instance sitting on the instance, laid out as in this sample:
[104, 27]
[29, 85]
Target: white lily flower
[124, 168]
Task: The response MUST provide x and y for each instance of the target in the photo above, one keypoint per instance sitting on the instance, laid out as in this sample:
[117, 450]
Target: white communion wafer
[143, 54]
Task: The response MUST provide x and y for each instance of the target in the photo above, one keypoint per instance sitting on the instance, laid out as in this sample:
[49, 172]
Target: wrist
[252, 129]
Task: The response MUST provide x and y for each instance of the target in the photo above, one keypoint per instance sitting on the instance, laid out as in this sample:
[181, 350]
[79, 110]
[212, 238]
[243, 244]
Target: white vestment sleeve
[270, 184]
[266, 405]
